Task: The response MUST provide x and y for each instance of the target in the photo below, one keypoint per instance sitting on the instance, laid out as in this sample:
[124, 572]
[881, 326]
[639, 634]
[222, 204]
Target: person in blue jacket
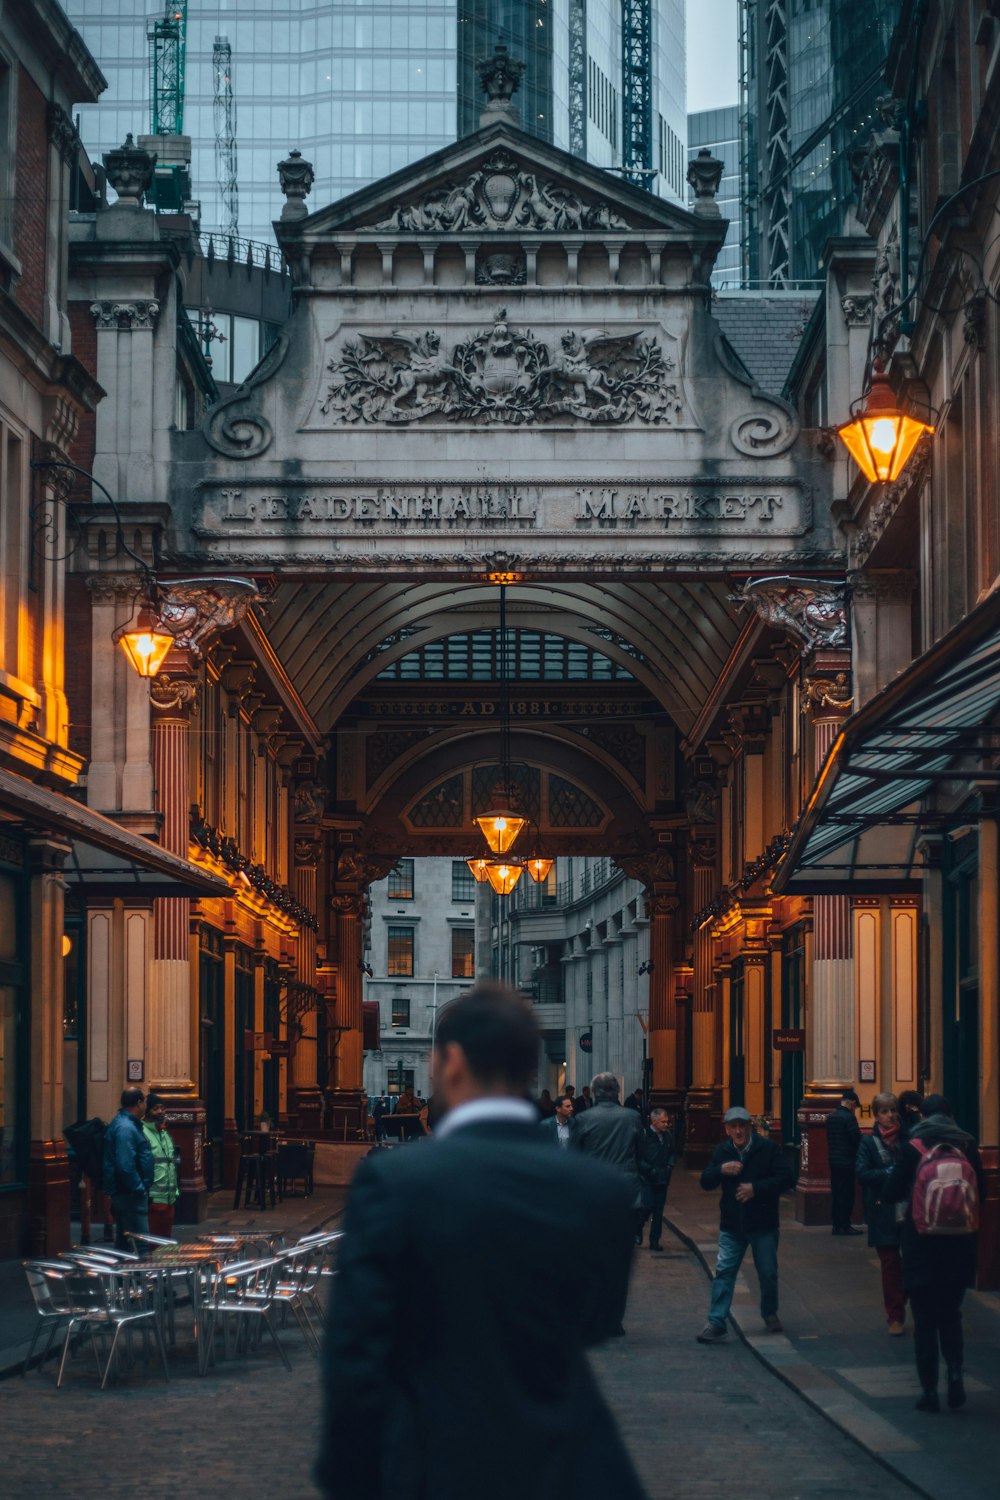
[128, 1168]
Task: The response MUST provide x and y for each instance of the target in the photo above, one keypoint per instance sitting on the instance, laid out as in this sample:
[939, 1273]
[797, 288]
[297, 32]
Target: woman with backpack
[877, 1155]
[939, 1177]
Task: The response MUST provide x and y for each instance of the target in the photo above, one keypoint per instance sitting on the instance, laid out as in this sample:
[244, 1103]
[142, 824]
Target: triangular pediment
[503, 180]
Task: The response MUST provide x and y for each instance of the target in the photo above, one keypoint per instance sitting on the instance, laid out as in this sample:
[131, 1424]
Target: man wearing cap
[843, 1138]
[165, 1190]
[752, 1172]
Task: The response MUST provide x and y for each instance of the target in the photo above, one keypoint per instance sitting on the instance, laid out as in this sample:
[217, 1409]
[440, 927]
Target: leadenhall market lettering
[690, 506]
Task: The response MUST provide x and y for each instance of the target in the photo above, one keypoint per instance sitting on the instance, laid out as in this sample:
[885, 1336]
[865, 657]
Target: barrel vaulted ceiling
[675, 638]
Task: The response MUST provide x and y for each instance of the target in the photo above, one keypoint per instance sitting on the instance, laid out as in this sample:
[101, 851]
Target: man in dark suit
[843, 1139]
[558, 1129]
[454, 1290]
[656, 1163]
[612, 1134]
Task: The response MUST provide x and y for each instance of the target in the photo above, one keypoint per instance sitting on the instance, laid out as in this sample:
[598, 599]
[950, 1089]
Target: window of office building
[400, 1012]
[401, 881]
[400, 1079]
[463, 882]
[463, 946]
[401, 942]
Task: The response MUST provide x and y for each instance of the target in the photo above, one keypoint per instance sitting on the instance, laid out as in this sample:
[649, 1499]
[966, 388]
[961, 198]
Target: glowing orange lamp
[144, 641]
[539, 868]
[503, 875]
[501, 824]
[478, 868]
[881, 438]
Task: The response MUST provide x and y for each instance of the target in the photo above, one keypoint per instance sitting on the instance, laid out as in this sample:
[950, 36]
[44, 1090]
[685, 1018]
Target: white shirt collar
[475, 1110]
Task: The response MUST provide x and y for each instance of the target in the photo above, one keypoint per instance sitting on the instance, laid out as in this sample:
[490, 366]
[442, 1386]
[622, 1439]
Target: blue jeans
[131, 1216]
[732, 1248]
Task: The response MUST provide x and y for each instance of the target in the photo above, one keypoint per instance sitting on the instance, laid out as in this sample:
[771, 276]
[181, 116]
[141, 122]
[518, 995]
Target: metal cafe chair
[55, 1308]
[241, 1298]
[94, 1299]
[295, 1289]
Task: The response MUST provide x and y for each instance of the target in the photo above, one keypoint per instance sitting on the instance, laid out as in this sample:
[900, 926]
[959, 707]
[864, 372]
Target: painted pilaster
[305, 1102]
[48, 1164]
[661, 909]
[172, 1063]
[703, 1104]
[348, 912]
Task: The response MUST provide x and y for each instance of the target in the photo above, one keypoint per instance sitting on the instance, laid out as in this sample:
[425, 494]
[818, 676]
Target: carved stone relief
[194, 609]
[501, 375]
[251, 434]
[812, 610]
[125, 315]
[499, 195]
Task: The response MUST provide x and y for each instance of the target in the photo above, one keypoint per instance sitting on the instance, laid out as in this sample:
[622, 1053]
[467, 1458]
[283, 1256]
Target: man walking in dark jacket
[611, 1133]
[843, 1138]
[128, 1168]
[656, 1162]
[752, 1172]
[458, 1249]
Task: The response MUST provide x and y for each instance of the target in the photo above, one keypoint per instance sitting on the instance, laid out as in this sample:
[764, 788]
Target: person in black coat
[611, 1133]
[454, 1294]
[752, 1172]
[656, 1163]
[936, 1268]
[843, 1137]
[877, 1155]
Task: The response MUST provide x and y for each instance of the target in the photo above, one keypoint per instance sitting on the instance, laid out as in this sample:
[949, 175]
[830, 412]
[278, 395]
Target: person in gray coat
[877, 1155]
[612, 1134]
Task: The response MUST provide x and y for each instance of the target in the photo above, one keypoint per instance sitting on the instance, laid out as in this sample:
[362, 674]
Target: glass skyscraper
[362, 87]
[812, 71]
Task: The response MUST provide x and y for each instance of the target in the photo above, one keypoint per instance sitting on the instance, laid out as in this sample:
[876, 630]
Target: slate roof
[765, 329]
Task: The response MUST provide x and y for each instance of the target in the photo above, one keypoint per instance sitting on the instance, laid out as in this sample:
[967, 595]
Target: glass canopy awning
[932, 725]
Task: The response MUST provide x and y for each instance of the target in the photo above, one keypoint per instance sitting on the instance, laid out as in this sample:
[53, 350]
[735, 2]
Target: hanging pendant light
[539, 868]
[144, 641]
[881, 437]
[503, 875]
[478, 869]
[501, 824]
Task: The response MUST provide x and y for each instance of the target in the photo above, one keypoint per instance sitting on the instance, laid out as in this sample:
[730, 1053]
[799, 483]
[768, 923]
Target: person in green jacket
[166, 1161]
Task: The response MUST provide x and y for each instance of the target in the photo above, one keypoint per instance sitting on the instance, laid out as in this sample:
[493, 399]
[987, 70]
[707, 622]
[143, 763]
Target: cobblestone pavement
[703, 1424]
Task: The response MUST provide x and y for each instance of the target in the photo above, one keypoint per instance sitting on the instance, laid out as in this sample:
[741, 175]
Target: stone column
[989, 1035]
[348, 912]
[305, 1102]
[830, 1029]
[172, 1017]
[661, 908]
[48, 1164]
[703, 1104]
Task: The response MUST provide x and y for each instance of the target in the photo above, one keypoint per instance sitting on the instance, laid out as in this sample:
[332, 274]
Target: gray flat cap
[737, 1114]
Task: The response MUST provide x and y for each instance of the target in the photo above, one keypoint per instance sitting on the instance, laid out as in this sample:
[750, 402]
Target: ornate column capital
[125, 316]
[62, 132]
[172, 690]
[857, 310]
[659, 904]
[307, 852]
[348, 904]
[830, 695]
[112, 588]
[655, 868]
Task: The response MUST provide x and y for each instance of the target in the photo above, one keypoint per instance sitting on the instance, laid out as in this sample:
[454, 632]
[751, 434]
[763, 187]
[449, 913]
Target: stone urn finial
[704, 174]
[129, 170]
[296, 177]
[500, 77]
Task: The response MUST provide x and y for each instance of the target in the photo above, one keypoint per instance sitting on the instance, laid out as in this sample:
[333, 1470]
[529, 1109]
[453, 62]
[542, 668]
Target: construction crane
[224, 109]
[166, 36]
[637, 91]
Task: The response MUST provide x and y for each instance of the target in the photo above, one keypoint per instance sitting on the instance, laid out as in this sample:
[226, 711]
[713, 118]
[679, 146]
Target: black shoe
[657, 1248]
[956, 1390]
[929, 1401]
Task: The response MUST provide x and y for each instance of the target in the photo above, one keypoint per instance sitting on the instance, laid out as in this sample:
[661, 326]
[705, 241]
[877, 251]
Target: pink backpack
[945, 1192]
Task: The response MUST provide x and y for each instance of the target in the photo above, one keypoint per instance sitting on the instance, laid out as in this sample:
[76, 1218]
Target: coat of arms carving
[501, 375]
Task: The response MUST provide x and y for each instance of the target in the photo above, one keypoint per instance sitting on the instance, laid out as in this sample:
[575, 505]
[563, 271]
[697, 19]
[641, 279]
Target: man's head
[936, 1104]
[604, 1087]
[156, 1110]
[659, 1119]
[586, 1091]
[739, 1126]
[564, 1107]
[849, 1100]
[570, 1090]
[134, 1101]
[486, 1044]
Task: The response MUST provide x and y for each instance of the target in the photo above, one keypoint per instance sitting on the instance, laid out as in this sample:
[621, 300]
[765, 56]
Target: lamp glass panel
[503, 877]
[478, 868]
[539, 869]
[145, 649]
[500, 829]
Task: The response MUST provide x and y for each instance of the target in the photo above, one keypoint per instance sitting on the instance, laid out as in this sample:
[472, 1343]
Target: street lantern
[501, 824]
[478, 869]
[503, 875]
[144, 641]
[881, 437]
[538, 868]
